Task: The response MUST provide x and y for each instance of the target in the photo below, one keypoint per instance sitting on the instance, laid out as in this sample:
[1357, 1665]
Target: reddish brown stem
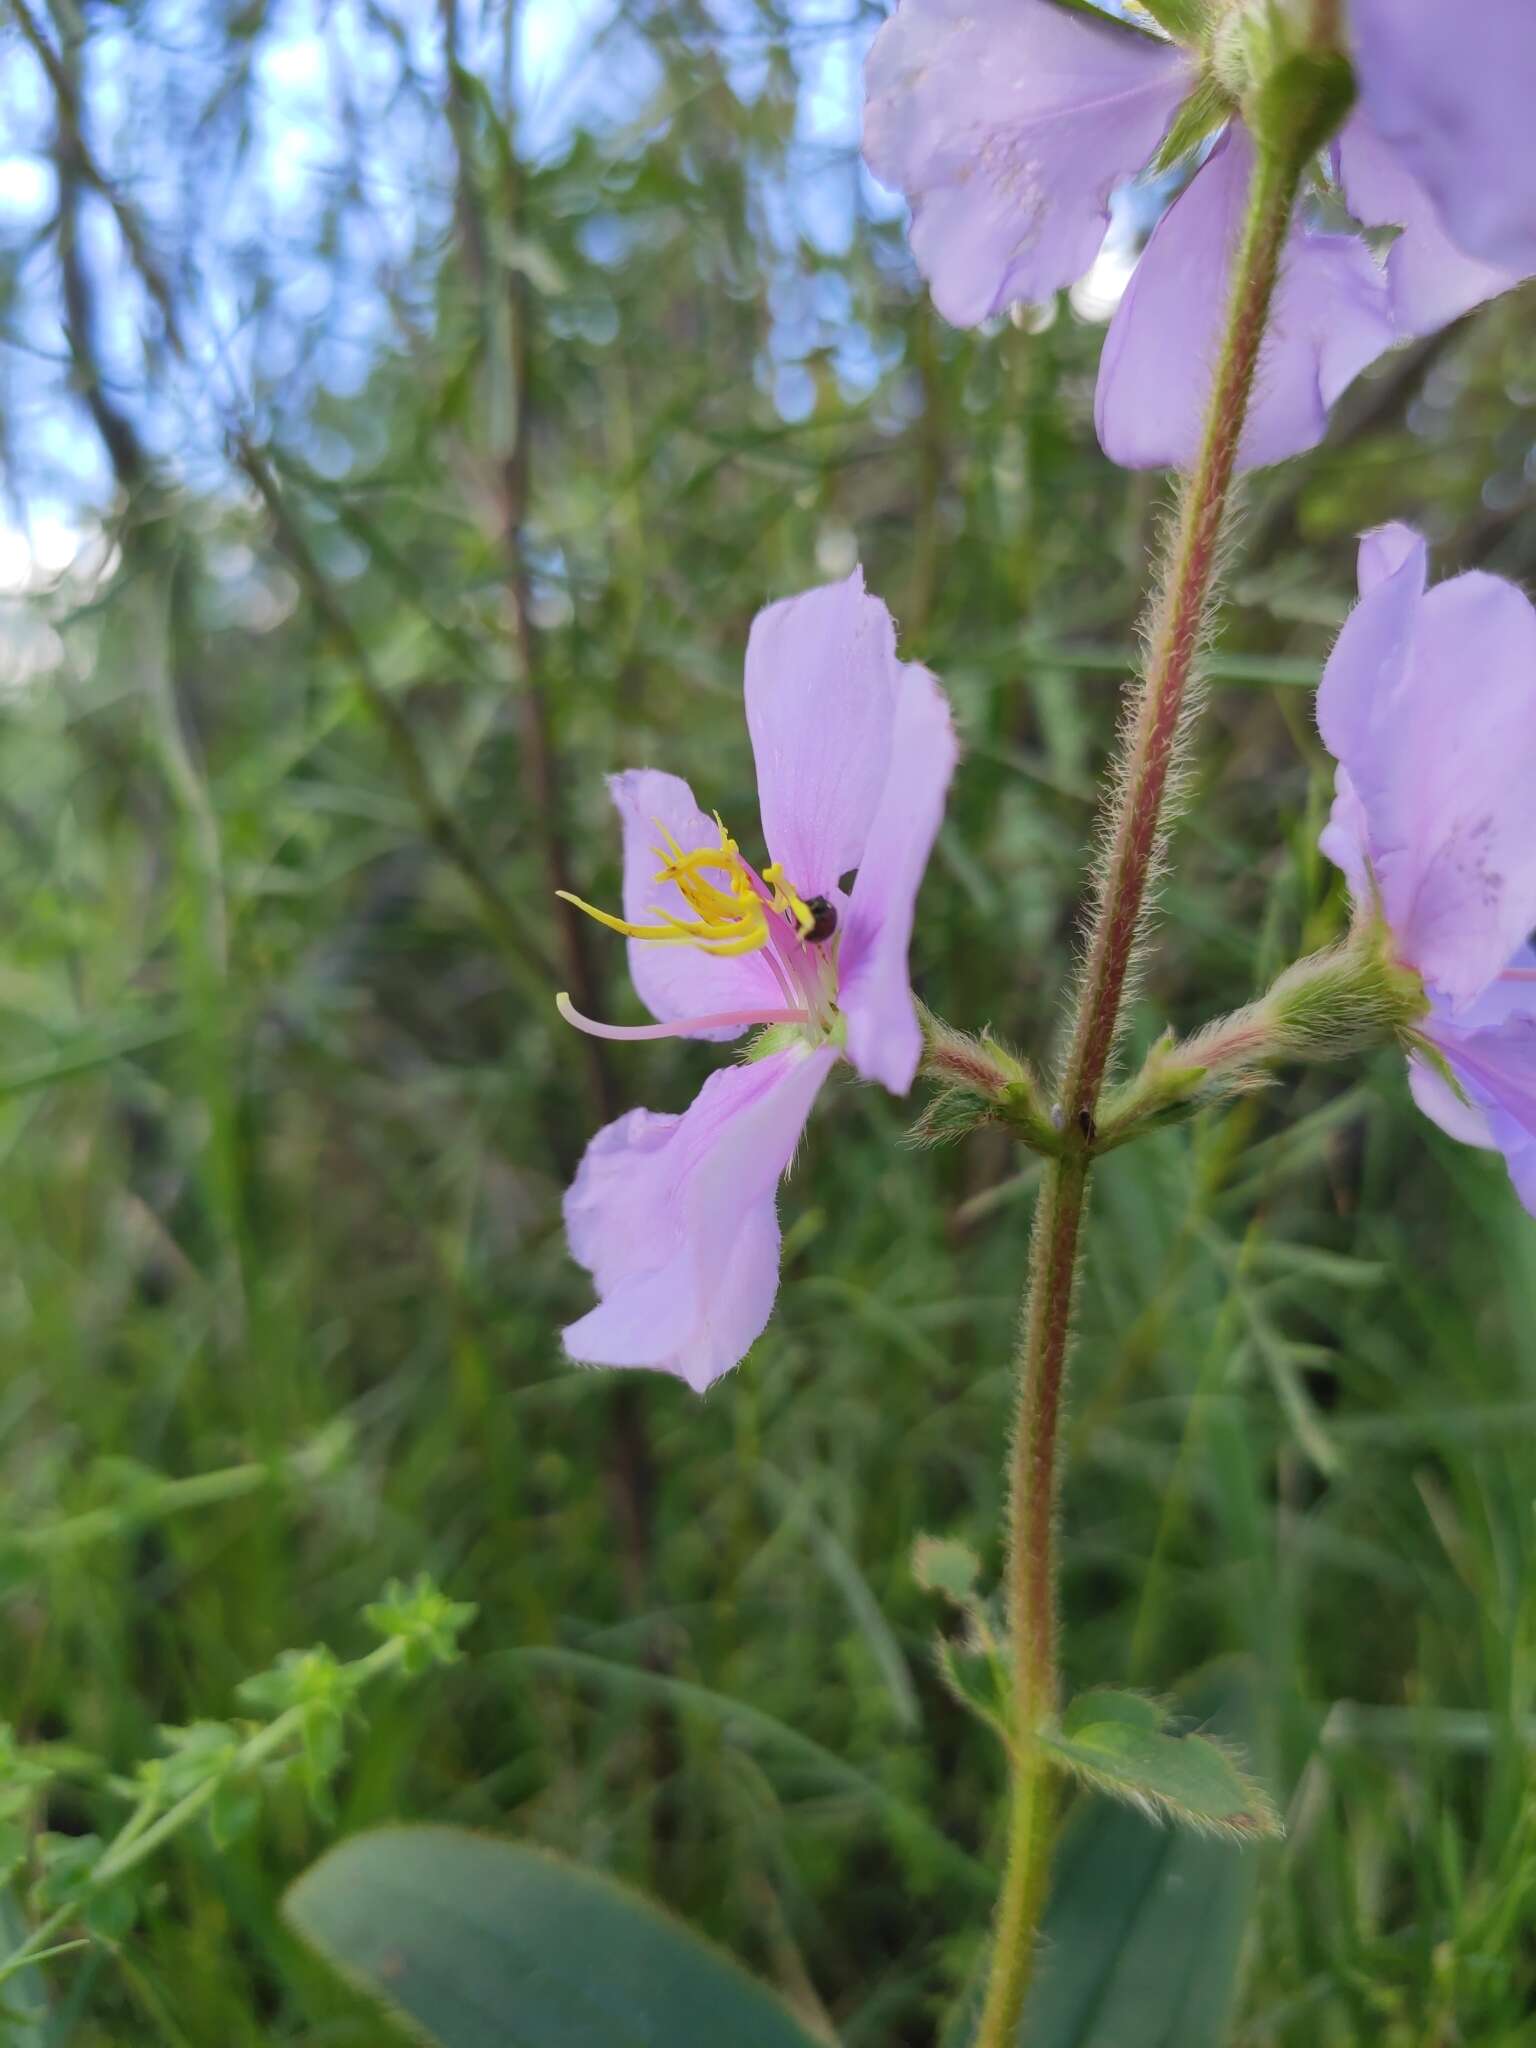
[1137, 823]
[1157, 720]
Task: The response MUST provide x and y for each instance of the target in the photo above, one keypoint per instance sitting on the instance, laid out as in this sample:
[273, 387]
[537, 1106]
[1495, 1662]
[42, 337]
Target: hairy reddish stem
[1133, 839]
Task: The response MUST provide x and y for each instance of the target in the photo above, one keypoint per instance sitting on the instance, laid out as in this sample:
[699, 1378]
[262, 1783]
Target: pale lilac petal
[674, 1217]
[1384, 550]
[1466, 1117]
[1007, 124]
[1345, 839]
[1452, 87]
[1430, 280]
[874, 995]
[822, 677]
[1428, 702]
[677, 981]
[1460, 1118]
[1496, 1066]
[1330, 318]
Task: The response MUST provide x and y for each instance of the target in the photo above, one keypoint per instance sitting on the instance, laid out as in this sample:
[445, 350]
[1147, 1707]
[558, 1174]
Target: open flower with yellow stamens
[675, 1217]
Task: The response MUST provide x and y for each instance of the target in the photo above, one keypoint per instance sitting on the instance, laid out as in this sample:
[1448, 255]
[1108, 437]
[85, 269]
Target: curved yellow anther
[729, 920]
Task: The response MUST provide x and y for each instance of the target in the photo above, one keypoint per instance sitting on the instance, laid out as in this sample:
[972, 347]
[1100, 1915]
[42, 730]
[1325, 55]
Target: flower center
[731, 906]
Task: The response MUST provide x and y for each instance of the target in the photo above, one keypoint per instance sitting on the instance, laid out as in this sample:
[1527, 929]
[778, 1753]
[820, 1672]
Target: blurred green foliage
[290, 763]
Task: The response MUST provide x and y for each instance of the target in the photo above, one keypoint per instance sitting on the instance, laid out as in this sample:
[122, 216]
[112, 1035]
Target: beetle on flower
[675, 1217]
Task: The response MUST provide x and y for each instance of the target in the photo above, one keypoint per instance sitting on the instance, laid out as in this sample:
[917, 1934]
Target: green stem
[1136, 826]
[139, 1838]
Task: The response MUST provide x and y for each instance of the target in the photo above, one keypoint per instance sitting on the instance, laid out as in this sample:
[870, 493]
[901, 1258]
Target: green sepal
[1185, 20]
[1123, 24]
[1207, 109]
[1426, 1049]
[1300, 104]
[981, 1082]
[1120, 1743]
[762, 1045]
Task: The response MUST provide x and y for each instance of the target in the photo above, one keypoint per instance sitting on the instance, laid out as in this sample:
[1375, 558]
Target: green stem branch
[1136, 827]
[144, 1832]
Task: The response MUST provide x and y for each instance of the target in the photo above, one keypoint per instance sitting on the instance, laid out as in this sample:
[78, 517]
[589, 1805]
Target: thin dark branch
[439, 824]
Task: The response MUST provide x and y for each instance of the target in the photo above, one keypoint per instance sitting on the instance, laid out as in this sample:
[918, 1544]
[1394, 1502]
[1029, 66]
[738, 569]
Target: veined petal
[1330, 319]
[1467, 1120]
[678, 981]
[822, 678]
[1007, 124]
[1497, 1068]
[884, 1041]
[1431, 281]
[674, 1217]
[1428, 703]
[1451, 89]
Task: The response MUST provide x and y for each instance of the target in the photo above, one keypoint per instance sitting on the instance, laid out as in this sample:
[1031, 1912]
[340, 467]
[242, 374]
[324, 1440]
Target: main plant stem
[1135, 825]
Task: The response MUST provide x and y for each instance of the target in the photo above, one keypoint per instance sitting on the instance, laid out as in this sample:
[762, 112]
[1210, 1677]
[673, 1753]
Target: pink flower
[1008, 124]
[675, 1216]
[1428, 703]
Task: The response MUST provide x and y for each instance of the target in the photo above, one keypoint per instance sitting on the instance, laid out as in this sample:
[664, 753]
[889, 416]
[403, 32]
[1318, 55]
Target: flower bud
[981, 1082]
[1349, 999]
[1279, 61]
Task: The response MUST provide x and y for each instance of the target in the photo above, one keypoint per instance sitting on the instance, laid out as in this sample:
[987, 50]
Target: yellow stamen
[727, 921]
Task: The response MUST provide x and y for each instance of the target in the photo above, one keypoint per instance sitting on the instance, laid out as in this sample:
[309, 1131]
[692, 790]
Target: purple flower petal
[1428, 703]
[822, 678]
[1430, 280]
[674, 1217]
[676, 981]
[1451, 89]
[1468, 1120]
[884, 1040]
[1007, 124]
[1496, 1066]
[1330, 319]
[1384, 550]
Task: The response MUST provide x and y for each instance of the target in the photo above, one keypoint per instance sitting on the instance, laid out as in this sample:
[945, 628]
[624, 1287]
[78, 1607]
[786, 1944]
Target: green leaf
[23, 2001]
[1144, 1928]
[942, 1565]
[1119, 1742]
[1133, 1709]
[979, 1680]
[1142, 1937]
[486, 1944]
[422, 1617]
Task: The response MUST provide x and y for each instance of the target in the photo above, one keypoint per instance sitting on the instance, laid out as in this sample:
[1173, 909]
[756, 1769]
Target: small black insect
[1087, 1126]
[823, 920]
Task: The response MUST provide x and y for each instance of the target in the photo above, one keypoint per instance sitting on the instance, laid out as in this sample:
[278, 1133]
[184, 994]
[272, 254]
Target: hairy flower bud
[981, 1082]
[1349, 999]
